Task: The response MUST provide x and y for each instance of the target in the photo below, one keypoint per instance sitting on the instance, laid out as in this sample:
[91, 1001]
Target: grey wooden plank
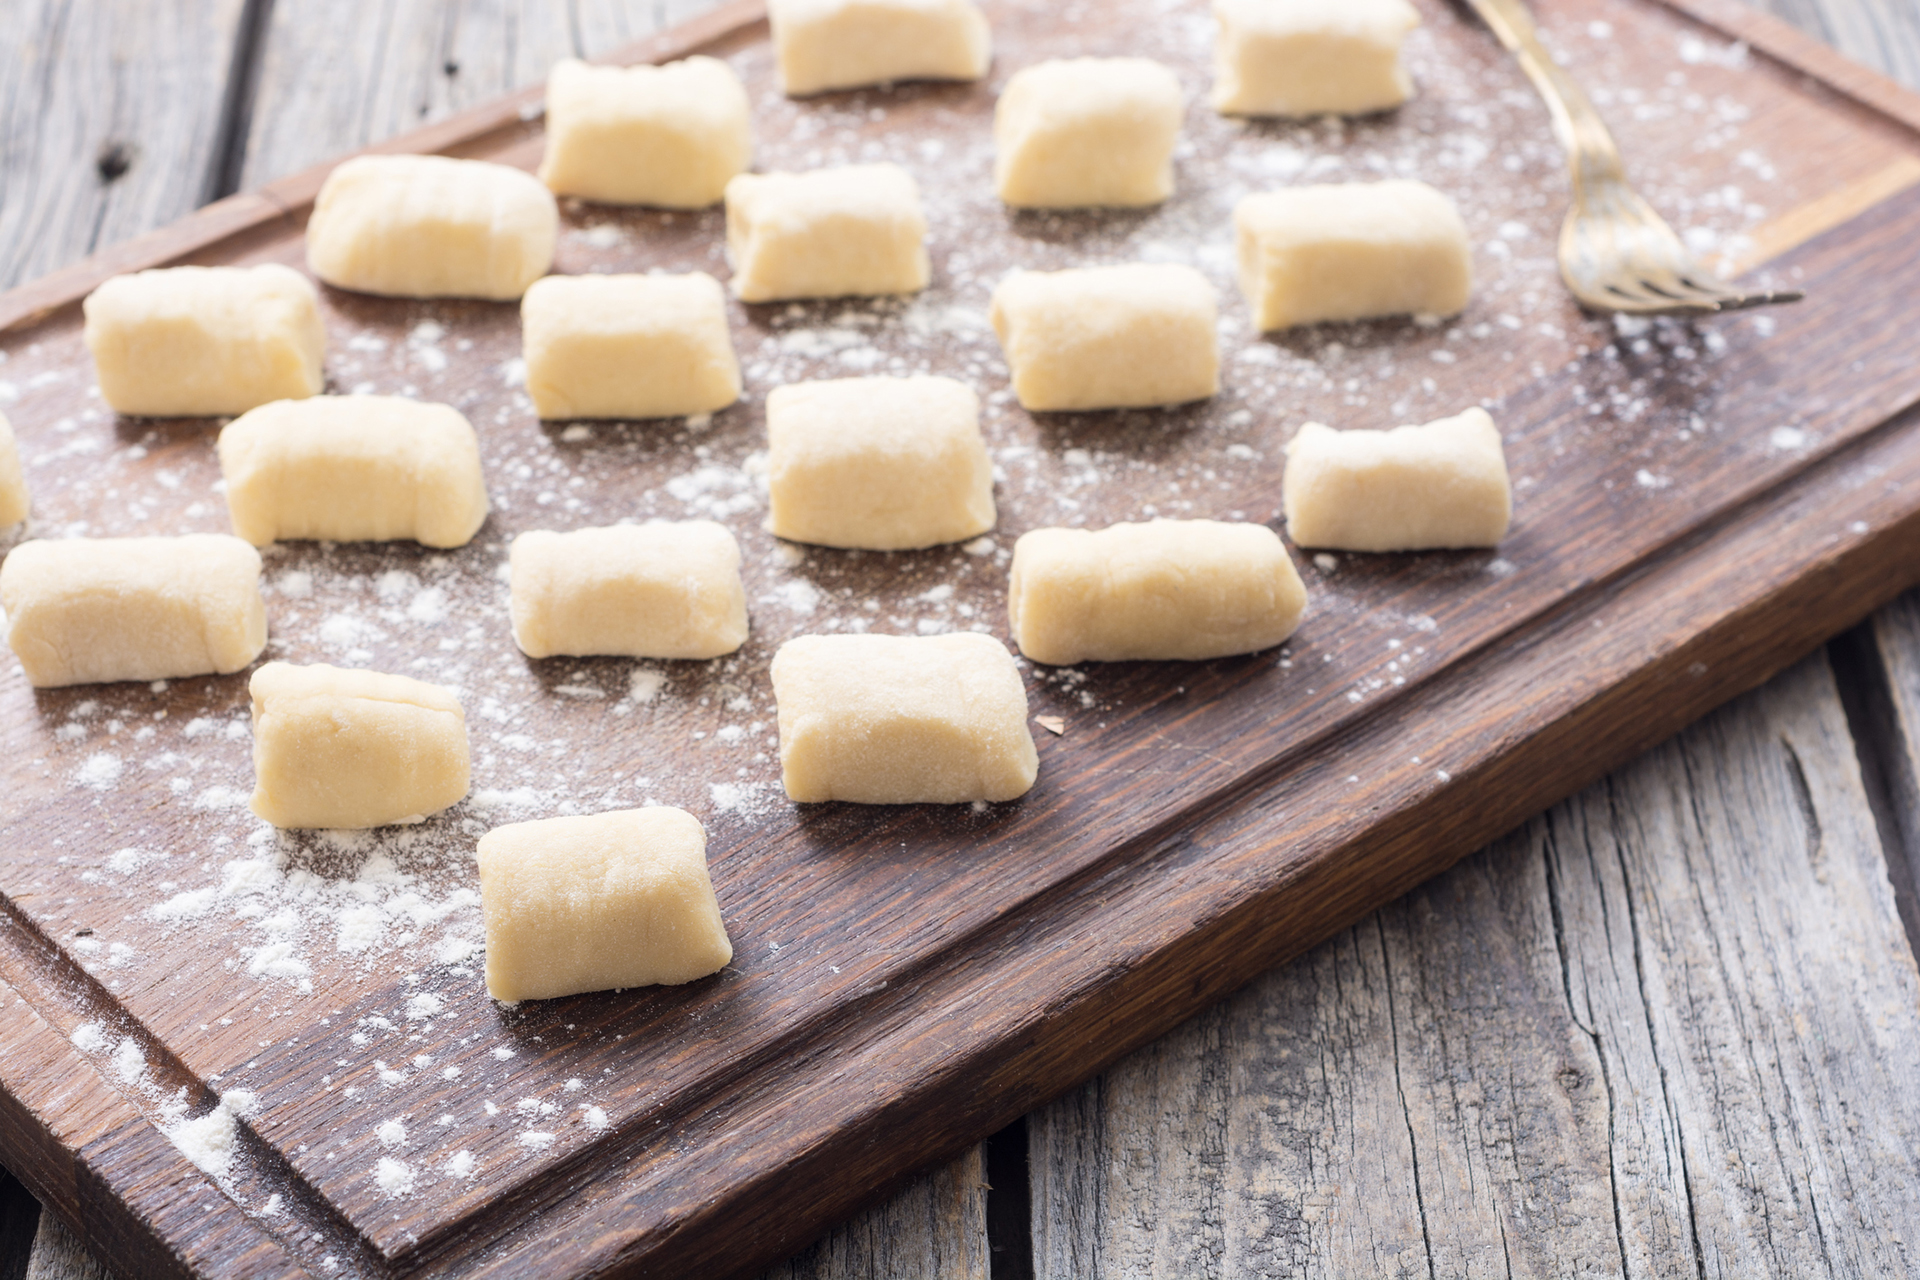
[1885, 708]
[137, 83]
[1668, 1028]
[59, 1255]
[339, 74]
[601, 26]
[1883, 34]
[934, 1229]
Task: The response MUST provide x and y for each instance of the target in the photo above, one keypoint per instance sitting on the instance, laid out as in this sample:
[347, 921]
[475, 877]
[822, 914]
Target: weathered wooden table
[1672, 1026]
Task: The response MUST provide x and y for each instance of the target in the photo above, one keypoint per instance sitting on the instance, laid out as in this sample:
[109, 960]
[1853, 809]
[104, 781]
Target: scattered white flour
[645, 684]
[392, 1133]
[428, 606]
[796, 595]
[1780, 438]
[594, 1118]
[454, 951]
[489, 798]
[395, 1177]
[536, 1141]
[502, 1053]
[715, 491]
[127, 861]
[745, 799]
[462, 1164]
[277, 960]
[360, 927]
[129, 1064]
[423, 344]
[424, 1005]
[219, 797]
[88, 1038]
[208, 1140]
[100, 771]
[186, 906]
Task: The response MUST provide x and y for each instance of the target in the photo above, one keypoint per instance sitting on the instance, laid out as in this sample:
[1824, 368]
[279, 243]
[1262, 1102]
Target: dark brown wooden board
[1696, 506]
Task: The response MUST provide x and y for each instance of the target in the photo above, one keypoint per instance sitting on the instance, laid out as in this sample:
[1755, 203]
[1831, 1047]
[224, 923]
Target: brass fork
[1615, 252]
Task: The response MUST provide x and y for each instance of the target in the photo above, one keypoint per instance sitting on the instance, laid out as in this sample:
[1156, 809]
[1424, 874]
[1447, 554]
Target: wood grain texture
[1116, 918]
[1642, 1036]
[129, 88]
[934, 1229]
[1888, 720]
[59, 1255]
[336, 76]
[1882, 34]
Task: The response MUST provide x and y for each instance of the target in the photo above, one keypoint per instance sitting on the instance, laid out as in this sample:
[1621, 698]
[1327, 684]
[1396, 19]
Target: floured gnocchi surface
[594, 902]
[431, 227]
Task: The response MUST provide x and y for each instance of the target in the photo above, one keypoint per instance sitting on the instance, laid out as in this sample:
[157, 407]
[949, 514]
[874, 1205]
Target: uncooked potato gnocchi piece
[828, 233]
[1408, 489]
[432, 227]
[1108, 337]
[619, 899]
[92, 610]
[668, 136]
[13, 482]
[353, 469]
[1311, 57]
[902, 719]
[886, 464]
[1183, 589]
[843, 44]
[1082, 132]
[353, 749]
[202, 341]
[1348, 251]
[628, 346]
[655, 590]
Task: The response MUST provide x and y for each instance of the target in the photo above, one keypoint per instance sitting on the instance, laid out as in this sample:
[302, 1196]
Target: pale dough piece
[354, 469]
[1082, 132]
[655, 590]
[1311, 57]
[91, 610]
[432, 227]
[1184, 589]
[827, 233]
[1408, 489]
[609, 900]
[605, 346]
[202, 341]
[13, 482]
[353, 749]
[887, 464]
[902, 719]
[666, 136]
[1348, 251]
[1108, 337]
[843, 44]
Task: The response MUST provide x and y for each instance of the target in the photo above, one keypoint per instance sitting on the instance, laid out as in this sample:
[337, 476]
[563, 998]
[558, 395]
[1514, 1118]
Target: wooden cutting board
[1697, 504]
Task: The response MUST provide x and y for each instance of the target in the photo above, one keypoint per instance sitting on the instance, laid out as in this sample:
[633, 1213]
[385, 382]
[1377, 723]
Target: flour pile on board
[209, 1140]
[283, 899]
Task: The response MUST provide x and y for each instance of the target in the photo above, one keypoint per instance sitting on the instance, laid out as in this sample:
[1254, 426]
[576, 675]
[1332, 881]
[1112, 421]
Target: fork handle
[1591, 151]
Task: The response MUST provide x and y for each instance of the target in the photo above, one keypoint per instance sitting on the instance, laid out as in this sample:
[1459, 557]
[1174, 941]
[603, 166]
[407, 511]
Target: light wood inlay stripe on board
[1801, 224]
